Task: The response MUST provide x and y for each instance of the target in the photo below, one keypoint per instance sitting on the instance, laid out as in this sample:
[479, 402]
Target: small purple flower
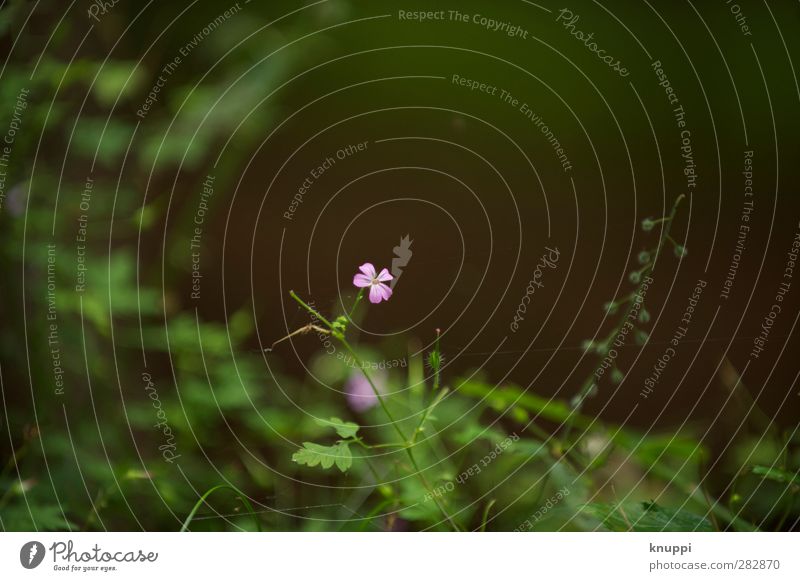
[377, 290]
[358, 391]
[16, 200]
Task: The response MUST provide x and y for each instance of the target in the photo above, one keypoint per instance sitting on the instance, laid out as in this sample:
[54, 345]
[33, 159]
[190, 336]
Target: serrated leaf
[646, 517]
[312, 454]
[344, 429]
[344, 459]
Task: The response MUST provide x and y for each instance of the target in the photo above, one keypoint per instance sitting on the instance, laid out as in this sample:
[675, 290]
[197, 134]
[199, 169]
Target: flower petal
[375, 294]
[368, 269]
[384, 276]
[385, 291]
[362, 280]
[358, 391]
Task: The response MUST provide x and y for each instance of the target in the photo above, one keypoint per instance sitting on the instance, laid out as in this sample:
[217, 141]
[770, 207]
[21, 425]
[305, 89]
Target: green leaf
[777, 474]
[344, 429]
[646, 517]
[473, 431]
[345, 459]
[500, 398]
[312, 454]
[21, 517]
[117, 79]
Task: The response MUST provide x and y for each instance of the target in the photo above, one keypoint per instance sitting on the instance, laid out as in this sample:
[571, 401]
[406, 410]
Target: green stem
[363, 444]
[13, 460]
[359, 296]
[95, 510]
[367, 520]
[538, 431]
[787, 511]
[212, 490]
[486, 510]
[429, 489]
[587, 386]
[438, 370]
[6, 496]
[427, 413]
[377, 393]
[311, 310]
[399, 431]
[668, 227]
[382, 403]
[545, 483]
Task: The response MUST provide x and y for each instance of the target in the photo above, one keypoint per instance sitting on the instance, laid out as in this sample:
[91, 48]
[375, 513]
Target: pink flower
[358, 391]
[377, 290]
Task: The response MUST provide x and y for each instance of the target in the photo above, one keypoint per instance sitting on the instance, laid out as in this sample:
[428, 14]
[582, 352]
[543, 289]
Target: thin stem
[538, 431]
[374, 389]
[311, 310]
[427, 413]
[363, 444]
[430, 490]
[587, 386]
[399, 431]
[359, 296]
[437, 372]
[485, 518]
[302, 330]
[787, 511]
[13, 460]
[382, 403]
[545, 483]
[668, 227]
[95, 510]
[203, 498]
[6, 496]
[714, 520]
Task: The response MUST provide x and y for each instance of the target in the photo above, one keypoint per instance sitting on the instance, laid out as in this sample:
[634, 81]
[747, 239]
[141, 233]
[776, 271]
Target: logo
[31, 554]
[402, 254]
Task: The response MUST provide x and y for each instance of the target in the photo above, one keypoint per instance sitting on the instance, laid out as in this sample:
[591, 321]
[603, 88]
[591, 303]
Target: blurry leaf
[646, 517]
[657, 448]
[344, 429]
[777, 474]
[42, 518]
[116, 79]
[145, 215]
[312, 454]
[257, 471]
[501, 398]
[474, 431]
[108, 139]
[564, 476]
[520, 415]
[240, 324]
[417, 504]
[7, 16]
[328, 367]
[134, 474]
